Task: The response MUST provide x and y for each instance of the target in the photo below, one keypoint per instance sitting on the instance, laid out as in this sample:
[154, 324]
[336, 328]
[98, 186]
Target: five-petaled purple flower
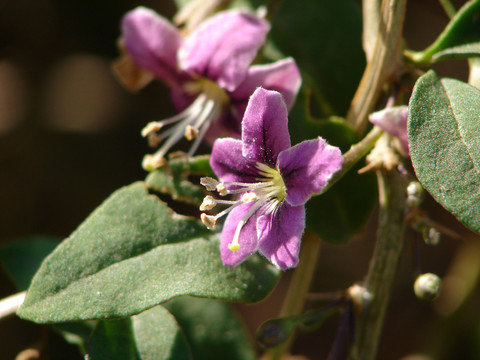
[208, 70]
[273, 182]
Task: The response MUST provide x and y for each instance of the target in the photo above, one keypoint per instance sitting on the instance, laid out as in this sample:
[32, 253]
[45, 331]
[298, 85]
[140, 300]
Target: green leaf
[153, 334]
[132, 253]
[76, 332]
[324, 37]
[343, 210]
[212, 329]
[22, 258]
[172, 179]
[460, 39]
[444, 140]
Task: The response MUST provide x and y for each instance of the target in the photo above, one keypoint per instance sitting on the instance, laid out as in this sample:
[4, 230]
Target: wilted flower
[393, 120]
[272, 180]
[208, 70]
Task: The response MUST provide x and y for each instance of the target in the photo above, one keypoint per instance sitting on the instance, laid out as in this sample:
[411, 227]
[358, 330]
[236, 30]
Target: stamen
[208, 220]
[209, 183]
[266, 194]
[249, 197]
[210, 113]
[154, 139]
[151, 127]
[208, 203]
[190, 132]
[222, 189]
[198, 114]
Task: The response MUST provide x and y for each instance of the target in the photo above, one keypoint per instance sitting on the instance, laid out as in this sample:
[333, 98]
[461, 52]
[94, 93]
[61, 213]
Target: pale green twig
[356, 152]
[10, 304]
[383, 265]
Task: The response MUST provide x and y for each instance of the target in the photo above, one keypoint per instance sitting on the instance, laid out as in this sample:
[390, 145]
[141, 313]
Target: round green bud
[427, 286]
[415, 194]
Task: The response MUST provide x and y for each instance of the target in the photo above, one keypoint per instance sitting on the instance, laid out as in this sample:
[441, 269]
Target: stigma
[191, 124]
[265, 194]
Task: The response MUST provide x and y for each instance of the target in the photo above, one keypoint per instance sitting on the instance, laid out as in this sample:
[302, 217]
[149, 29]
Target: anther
[190, 132]
[154, 139]
[151, 162]
[209, 183]
[151, 127]
[222, 189]
[249, 197]
[208, 220]
[208, 203]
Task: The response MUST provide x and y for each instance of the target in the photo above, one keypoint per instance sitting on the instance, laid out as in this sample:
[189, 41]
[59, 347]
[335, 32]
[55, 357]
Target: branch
[383, 265]
[383, 65]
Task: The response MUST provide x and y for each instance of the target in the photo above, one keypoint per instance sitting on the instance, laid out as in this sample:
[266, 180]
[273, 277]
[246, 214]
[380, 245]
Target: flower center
[192, 123]
[266, 195]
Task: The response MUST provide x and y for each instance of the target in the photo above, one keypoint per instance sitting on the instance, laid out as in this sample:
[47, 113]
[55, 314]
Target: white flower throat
[192, 123]
[266, 194]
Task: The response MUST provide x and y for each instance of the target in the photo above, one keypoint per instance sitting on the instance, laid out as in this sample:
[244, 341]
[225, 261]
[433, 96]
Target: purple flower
[208, 70]
[272, 180]
[393, 120]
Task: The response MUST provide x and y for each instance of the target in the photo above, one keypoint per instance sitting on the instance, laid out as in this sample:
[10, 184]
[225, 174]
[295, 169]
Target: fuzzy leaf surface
[153, 334]
[444, 141]
[132, 253]
[212, 329]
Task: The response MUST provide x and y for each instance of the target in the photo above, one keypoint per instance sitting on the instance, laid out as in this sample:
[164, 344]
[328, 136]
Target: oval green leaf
[132, 253]
[460, 39]
[444, 140]
[212, 329]
[153, 334]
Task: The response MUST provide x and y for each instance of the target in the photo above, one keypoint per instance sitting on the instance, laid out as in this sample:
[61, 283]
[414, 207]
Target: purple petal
[228, 163]
[264, 127]
[394, 121]
[282, 76]
[280, 235]
[223, 47]
[248, 236]
[152, 41]
[307, 167]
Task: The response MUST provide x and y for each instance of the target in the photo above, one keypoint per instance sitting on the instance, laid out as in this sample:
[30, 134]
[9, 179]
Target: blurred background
[69, 136]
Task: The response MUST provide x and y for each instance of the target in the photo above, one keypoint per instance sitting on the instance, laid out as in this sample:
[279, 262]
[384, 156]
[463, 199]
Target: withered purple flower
[272, 180]
[393, 120]
[208, 71]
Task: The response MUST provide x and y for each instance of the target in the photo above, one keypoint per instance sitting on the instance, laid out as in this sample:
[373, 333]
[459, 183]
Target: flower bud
[274, 332]
[427, 286]
[415, 194]
[431, 236]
